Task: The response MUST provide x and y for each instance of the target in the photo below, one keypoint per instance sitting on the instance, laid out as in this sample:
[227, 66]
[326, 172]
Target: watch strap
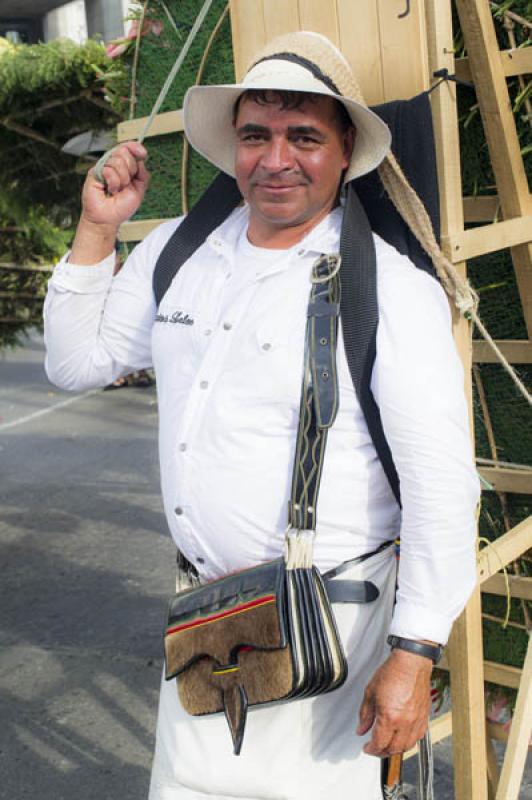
[432, 651]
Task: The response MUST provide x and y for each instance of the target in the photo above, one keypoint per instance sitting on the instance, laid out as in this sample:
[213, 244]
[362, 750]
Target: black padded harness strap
[213, 207]
[360, 315]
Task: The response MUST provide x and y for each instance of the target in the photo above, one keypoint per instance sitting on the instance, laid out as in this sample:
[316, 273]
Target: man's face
[289, 164]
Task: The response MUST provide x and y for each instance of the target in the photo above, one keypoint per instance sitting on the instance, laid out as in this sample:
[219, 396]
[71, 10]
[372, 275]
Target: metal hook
[406, 12]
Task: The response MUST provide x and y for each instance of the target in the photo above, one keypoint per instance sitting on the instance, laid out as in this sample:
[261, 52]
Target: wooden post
[465, 646]
[519, 737]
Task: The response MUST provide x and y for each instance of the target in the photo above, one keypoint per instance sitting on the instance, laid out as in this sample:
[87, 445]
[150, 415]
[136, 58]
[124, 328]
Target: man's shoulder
[400, 282]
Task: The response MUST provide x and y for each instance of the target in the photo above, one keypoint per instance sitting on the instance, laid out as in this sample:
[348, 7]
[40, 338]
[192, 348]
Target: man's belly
[226, 498]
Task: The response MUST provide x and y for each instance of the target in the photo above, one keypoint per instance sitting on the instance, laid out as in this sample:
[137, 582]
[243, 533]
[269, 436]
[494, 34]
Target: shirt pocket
[267, 370]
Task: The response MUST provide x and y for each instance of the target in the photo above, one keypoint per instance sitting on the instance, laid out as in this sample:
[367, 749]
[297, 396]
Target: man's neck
[277, 237]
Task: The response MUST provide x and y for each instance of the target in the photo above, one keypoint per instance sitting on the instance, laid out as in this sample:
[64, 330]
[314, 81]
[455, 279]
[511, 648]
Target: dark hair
[289, 100]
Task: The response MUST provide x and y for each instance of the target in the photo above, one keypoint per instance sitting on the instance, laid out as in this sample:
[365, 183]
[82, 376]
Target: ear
[349, 139]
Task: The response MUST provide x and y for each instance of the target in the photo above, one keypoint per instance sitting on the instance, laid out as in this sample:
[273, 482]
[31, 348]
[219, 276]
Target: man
[227, 345]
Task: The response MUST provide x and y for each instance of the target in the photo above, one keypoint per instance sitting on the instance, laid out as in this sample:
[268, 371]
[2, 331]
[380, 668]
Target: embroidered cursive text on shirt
[176, 317]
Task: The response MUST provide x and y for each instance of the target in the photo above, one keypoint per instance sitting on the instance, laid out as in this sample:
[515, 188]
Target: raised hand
[106, 207]
[126, 180]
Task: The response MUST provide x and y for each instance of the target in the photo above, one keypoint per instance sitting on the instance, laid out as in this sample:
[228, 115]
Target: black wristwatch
[432, 651]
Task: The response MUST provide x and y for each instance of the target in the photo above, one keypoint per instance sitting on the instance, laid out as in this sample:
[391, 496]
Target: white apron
[302, 750]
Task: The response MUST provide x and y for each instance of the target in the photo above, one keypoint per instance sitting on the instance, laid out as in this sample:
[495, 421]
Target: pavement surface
[87, 566]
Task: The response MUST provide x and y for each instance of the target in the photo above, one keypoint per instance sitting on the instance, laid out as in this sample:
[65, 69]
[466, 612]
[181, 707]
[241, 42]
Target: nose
[277, 155]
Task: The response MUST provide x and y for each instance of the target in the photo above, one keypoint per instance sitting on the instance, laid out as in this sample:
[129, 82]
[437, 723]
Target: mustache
[279, 179]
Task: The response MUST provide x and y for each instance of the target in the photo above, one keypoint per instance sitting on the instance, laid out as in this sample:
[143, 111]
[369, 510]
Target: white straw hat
[301, 62]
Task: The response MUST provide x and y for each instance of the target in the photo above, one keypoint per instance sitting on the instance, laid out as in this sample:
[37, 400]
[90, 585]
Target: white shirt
[227, 347]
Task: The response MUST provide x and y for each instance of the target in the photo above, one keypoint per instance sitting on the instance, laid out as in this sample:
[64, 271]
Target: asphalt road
[87, 565]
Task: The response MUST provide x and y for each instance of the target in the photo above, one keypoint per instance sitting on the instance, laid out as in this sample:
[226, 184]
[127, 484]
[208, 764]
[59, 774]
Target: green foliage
[48, 94]
[156, 58]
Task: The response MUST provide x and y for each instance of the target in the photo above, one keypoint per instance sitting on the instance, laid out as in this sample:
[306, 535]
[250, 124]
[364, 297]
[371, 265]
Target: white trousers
[302, 750]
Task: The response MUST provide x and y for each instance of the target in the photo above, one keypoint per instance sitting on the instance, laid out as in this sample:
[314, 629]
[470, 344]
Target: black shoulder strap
[360, 316]
[213, 207]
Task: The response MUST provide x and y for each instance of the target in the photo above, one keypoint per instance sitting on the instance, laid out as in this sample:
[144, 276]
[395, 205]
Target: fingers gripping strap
[319, 391]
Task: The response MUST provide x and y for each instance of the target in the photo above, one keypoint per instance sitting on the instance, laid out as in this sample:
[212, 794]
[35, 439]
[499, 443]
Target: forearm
[92, 243]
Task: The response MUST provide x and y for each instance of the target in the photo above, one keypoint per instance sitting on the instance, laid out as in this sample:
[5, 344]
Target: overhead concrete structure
[28, 8]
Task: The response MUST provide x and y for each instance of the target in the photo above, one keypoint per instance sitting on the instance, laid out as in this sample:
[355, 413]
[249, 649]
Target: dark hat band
[303, 62]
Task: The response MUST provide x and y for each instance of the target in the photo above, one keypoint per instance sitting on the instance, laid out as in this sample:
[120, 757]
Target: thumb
[366, 716]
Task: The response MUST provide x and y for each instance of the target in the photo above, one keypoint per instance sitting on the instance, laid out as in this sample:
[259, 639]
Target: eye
[304, 140]
[253, 138]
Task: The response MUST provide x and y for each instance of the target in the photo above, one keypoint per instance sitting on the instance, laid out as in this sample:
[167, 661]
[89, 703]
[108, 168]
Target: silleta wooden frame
[375, 43]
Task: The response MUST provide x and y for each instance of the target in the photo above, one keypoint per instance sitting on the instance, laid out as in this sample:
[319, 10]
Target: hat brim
[208, 123]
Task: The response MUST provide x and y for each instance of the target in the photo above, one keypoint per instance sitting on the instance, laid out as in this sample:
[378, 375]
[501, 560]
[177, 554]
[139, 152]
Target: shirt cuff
[83, 278]
[418, 622]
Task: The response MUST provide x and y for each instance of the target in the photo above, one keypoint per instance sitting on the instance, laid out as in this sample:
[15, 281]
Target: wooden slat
[18, 321]
[467, 675]
[501, 674]
[321, 16]
[404, 49]
[520, 586]
[360, 43]
[168, 122]
[497, 731]
[21, 296]
[440, 728]
[506, 548]
[280, 16]
[27, 267]
[517, 61]
[501, 135]
[519, 737]
[518, 351]
[517, 481]
[248, 32]
[137, 230]
[489, 238]
[481, 209]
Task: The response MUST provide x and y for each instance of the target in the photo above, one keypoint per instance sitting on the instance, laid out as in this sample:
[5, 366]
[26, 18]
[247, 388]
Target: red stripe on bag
[261, 601]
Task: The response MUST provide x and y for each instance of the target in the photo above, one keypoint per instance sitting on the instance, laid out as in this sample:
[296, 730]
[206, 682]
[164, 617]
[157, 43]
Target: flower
[117, 47]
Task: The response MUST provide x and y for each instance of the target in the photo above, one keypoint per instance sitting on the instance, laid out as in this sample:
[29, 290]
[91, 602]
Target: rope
[98, 169]
[133, 95]
[199, 75]
[504, 623]
[409, 205]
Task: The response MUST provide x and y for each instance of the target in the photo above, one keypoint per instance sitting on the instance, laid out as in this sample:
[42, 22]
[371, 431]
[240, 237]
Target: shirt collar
[323, 238]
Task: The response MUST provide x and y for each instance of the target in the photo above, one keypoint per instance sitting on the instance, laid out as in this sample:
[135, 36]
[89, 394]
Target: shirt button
[301, 252]
[228, 276]
[178, 511]
[204, 384]
[266, 346]
[200, 560]
[227, 326]
[183, 446]
[207, 332]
